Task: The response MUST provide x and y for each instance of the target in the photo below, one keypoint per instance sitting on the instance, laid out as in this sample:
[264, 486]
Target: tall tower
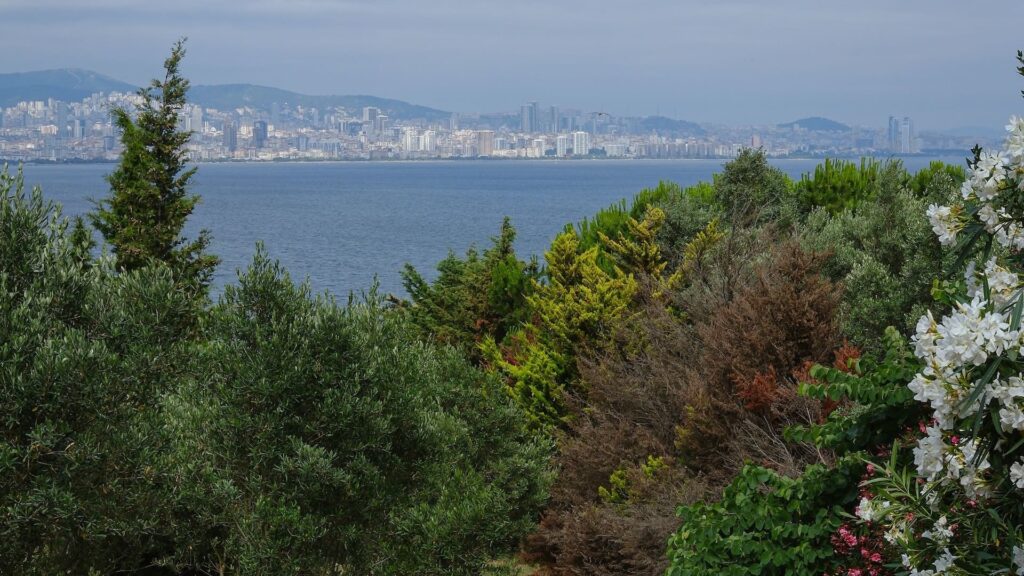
[485, 142]
[562, 145]
[554, 119]
[894, 134]
[230, 137]
[580, 143]
[259, 133]
[907, 137]
[525, 118]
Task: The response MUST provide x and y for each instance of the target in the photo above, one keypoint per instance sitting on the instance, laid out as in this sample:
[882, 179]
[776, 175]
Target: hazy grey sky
[946, 63]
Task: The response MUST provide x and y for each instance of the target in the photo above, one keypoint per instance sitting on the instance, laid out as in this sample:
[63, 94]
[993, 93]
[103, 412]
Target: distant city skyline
[948, 65]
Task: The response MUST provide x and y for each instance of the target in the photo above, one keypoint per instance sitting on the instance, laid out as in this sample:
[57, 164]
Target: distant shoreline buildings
[53, 130]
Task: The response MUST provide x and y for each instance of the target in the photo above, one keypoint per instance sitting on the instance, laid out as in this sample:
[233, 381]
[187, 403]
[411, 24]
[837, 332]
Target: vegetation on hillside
[747, 376]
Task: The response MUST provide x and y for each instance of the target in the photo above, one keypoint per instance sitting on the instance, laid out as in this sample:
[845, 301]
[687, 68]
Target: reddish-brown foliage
[705, 395]
[758, 393]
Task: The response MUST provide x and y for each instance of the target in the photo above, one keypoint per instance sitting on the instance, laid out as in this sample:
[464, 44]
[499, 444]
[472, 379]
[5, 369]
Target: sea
[346, 226]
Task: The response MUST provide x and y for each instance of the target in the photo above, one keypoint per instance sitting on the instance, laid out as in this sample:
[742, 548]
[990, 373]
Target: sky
[945, 63]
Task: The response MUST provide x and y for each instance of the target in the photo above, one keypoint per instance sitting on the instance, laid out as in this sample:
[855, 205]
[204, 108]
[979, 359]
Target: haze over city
[729, 62]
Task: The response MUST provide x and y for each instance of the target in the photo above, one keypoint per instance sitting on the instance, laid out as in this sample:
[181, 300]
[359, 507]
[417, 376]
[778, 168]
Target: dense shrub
[750, 191]
[273, 433]
[325, 436]
[661, 421]
[86, 359]
[958, 508]
[472, 297]
[767, 523]
[838, 185]
[883, 252]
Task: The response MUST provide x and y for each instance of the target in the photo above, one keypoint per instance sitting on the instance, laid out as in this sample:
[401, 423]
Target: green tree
[475, 296]
[86, 358]
[751, 191]
[149, 203]
[884, 251]
[320, 439]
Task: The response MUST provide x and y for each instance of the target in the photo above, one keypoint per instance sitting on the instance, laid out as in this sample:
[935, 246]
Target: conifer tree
[143, 217]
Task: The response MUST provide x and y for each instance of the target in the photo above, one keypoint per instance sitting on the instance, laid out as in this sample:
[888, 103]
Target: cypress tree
[143, 217]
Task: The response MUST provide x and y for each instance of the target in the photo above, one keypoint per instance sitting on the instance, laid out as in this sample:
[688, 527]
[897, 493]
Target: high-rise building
[410, 140]
[61, 112]
[537, 124]
[197, 119]
[370, 113]
[539, 147]
[485, 142]
[554, 119]
[230, 137]
[380, 123]
[902, 139]
[580, 143]
[908, 140]
[526, 118]
[428, 141]
[259, 133]
[893, 135]
[562, 145]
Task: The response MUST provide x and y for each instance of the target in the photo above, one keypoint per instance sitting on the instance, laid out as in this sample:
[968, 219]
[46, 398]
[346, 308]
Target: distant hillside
[663, 125]
[230, 96]
[69, 85]
[817, 124]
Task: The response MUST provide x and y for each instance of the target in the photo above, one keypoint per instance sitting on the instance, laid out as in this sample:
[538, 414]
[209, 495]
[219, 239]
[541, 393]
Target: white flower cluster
[958, 379]
[870, 509]
[1002, 283]
[950, 349]
[994, 173]
[943, 564]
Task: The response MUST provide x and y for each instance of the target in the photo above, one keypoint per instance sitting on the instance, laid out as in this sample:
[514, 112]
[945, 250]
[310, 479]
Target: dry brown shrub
[676, 389]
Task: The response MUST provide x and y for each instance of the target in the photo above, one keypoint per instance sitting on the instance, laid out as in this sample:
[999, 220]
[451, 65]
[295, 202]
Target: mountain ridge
[817, 124]
[74, 84]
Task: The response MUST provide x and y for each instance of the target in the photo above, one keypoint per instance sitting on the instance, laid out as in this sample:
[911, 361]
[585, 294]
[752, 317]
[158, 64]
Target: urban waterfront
[343, 224]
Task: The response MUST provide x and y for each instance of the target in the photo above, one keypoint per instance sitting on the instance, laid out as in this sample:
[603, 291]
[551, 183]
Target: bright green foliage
[750, 191]
[86, 357]
[144, 216]
[884, 253]
[838, 184]
[578, 304]
[767, 524]
[317, 436]
[614, 220]
[475, 296]
[924, 182]
[636, 249]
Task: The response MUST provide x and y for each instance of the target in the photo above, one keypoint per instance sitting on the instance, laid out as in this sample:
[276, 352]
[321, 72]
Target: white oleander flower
[990, 217]
[1017, 477]
[944, 562]
[944, 223]
[940, 532]
[1018, 559]
[930, 454]
[1011, 417]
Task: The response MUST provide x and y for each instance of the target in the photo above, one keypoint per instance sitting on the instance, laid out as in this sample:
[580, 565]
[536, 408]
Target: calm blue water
[340, 224]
